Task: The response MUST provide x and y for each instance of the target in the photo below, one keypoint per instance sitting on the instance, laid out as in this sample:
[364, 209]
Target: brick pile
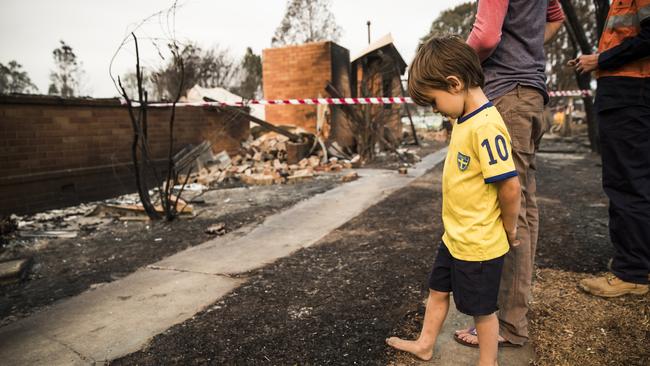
[264, 162]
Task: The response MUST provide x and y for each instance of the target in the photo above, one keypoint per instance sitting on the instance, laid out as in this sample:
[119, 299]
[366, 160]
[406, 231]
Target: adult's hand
[585, 63]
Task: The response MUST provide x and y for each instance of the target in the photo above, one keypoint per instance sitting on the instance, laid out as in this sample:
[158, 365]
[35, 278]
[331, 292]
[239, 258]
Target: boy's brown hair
[440, 57]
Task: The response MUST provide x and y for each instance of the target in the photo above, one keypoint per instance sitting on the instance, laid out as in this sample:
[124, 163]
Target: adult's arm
[554, 20]
[631, 49]
[486, 32]
[550, 30]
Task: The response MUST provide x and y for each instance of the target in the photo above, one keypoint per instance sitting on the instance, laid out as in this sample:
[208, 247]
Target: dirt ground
[570, 327]
[334, 303]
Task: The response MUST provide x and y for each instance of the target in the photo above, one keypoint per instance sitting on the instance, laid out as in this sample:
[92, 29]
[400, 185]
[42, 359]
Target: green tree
[250, 76]
[457, 20]
[14, 80]
[306, 21]
[207, 68]
[67, 74]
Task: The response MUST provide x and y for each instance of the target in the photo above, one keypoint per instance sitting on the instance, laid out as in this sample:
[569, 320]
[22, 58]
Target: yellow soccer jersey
[479, 154]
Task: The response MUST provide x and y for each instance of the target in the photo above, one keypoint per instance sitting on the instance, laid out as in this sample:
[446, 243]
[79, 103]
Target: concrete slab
[50, 352]
[448, 352]
[113, 320]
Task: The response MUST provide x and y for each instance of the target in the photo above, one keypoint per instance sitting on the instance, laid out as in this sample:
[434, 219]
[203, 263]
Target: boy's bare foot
[412, 347]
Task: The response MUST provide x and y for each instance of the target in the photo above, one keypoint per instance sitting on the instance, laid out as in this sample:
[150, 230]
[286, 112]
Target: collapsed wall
[57, 152]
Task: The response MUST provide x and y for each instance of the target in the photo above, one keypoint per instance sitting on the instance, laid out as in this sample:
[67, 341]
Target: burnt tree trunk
[602, 9]
[579, 40]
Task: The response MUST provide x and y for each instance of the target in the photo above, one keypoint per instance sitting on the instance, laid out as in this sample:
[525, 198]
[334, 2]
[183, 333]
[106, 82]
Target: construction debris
[62, 234]
[194, 158]
[270, 159]
[14, 271]
[408, 155]
[216, 229]
[8, 225]
[137, 210]
[350, 177]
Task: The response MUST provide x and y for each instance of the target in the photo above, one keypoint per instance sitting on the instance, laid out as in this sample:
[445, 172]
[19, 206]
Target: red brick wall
[303, 72]
[55, 152]
[296, 72]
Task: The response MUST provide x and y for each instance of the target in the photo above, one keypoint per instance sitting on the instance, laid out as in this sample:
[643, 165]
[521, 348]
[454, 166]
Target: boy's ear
[455, 85]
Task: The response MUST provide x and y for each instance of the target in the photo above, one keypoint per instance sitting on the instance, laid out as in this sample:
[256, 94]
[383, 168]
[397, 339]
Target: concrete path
[119, 318]
[448, 352]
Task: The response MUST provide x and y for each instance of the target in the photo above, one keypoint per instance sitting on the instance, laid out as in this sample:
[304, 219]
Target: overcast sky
[31, 29]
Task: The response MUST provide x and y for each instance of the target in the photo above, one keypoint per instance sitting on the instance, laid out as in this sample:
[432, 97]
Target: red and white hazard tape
[330, 101]
[569, 93]
[309, 101]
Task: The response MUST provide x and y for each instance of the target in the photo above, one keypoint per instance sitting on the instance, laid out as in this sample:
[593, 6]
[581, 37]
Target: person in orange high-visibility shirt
[622, 65]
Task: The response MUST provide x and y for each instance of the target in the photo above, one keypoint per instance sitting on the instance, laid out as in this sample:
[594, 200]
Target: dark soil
[333, 303]
[67, 267]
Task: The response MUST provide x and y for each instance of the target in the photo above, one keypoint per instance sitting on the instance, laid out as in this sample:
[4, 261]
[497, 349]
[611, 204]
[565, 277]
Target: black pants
[625, 143]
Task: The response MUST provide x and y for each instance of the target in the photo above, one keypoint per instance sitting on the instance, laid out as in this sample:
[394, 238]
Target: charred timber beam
[264, 124]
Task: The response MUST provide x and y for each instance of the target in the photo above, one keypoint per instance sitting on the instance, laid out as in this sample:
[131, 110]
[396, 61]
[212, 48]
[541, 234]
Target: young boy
[480, 196]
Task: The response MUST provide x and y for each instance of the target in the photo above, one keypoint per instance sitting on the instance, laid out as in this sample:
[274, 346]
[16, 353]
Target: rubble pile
[269, 159]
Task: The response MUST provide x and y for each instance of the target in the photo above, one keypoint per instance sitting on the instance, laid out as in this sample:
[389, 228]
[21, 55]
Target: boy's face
[449, 103]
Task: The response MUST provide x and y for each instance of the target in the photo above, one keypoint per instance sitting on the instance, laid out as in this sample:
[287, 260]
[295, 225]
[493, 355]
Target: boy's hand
[512, 238]
[509, 193]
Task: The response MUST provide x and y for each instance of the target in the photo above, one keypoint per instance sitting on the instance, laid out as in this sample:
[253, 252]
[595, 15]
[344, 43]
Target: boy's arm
[494, 150]
[509, 193]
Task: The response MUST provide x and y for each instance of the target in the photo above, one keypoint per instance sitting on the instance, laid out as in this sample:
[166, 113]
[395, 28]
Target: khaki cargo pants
[522, 110]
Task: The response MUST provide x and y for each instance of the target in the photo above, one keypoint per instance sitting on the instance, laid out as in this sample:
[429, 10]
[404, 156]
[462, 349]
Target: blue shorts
[475, 285]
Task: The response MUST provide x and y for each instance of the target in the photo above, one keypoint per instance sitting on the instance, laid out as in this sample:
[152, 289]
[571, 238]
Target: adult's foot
[465, 331]
[469, 337]
[413, 347]
[611, 286]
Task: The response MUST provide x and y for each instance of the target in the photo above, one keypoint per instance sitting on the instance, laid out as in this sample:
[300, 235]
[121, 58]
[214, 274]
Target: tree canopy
[250, 76]
[457, 20]
[14, 80]
[306, 21]
[67, 74]
[208, 68]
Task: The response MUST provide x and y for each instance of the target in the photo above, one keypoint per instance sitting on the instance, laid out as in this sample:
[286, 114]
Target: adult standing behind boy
[509, 37]
[623, 113]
